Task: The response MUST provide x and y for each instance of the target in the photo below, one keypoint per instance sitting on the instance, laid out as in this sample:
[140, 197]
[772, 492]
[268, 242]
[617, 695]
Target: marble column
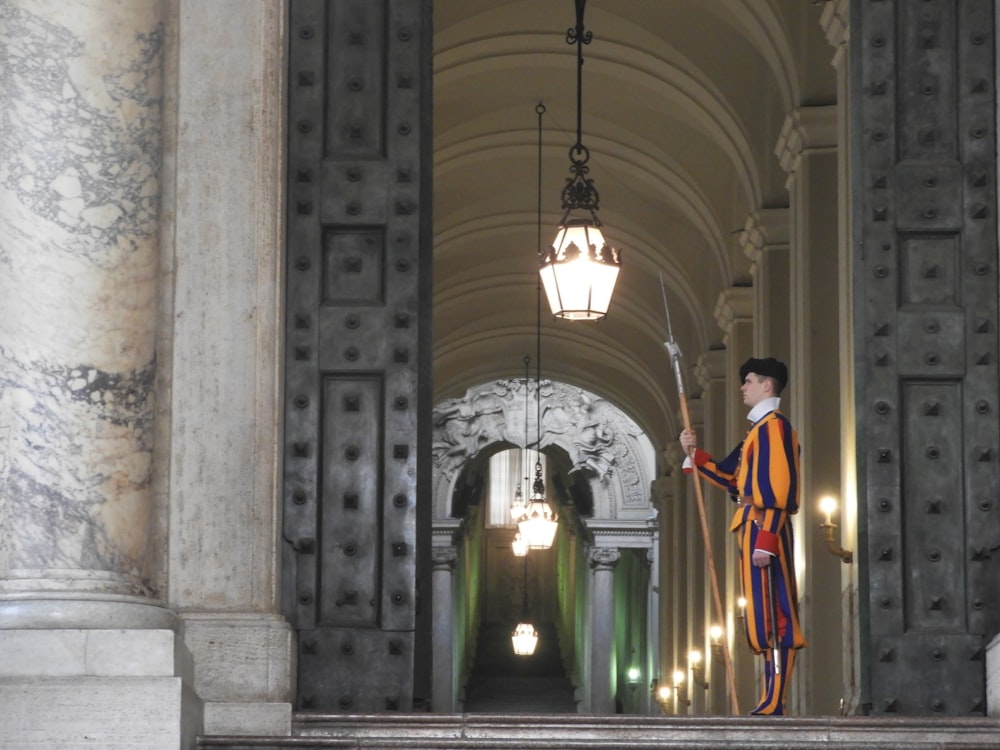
[82, 620]
[80, 152]
[443, 639]
[679, 542]
[662, 493]
[652, 666]
[602, 628]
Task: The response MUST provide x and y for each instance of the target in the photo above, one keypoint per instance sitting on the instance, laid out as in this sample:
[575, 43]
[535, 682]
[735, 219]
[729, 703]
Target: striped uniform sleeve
[721, 474]
[773, 476]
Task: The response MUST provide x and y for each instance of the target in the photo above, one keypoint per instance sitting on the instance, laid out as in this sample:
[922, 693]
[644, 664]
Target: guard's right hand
[688, 440]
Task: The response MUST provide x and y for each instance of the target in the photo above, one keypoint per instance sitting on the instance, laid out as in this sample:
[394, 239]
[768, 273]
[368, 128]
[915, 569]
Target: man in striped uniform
[762, 477]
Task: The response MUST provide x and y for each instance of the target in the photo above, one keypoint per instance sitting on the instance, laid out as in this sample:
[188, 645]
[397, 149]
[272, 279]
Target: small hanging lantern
[519, 546]
[524, 638]
[538, 527]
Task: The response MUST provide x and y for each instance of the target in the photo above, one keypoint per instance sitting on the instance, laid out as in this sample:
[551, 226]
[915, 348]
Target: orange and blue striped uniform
[762, 476]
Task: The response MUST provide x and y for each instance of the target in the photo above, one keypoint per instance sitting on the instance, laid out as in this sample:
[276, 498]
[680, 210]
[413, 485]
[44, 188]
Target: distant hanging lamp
[580, 269]
[519, 546]
[538, 527]
[525, 637]
[518, 507]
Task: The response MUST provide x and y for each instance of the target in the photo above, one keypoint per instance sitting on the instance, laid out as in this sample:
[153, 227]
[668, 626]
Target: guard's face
[755, 389]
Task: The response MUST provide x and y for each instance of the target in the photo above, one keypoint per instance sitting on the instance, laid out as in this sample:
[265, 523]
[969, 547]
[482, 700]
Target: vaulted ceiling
[683, 106]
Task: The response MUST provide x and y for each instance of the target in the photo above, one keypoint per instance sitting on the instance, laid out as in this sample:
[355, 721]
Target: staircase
[502, 682]
[579, 732]
[526, 703]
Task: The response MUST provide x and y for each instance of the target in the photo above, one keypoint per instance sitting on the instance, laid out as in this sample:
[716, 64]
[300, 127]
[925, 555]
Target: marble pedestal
[105, 689]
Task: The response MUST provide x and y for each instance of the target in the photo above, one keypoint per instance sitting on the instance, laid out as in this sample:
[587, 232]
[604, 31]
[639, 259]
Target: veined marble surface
[80, 110]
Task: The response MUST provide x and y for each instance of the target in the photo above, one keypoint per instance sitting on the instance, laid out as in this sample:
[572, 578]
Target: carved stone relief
[597, 436]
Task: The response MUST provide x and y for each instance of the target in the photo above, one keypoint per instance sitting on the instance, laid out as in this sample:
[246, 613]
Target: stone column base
[244, 671]
[993, 678]
[97, 688]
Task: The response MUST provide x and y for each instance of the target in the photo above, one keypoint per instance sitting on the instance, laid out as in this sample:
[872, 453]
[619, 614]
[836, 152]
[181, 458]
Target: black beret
[768, 367]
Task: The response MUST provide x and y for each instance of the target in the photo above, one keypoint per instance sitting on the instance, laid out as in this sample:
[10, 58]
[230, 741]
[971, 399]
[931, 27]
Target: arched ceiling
[683, 104]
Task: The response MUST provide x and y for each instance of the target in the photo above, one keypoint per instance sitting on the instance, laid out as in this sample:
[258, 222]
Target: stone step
[585, 732]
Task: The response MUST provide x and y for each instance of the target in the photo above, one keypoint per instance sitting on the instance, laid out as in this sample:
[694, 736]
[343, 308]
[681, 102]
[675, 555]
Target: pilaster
[808, 152]
[714, 376]
[835, 21]
[220, 358]
[765, 241]
[733, 313]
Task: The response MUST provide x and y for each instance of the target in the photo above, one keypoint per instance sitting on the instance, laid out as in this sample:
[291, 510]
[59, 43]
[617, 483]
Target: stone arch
[602, 441]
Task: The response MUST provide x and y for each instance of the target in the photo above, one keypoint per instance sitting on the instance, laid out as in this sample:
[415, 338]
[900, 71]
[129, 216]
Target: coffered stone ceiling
[683, 106]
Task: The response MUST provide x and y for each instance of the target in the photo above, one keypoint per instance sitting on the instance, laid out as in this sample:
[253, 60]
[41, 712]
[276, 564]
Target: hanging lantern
[580, 269]
[538, 527]
[518, 508]
[524, 638]
[519, 546]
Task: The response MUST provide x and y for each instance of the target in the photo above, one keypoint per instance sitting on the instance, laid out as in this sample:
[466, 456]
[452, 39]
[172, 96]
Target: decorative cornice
[696, 411]
[806, 129]
[635, 531]
[447, 532]
[765, 229]
[836, 23]
[735, 303]
[662, 490]
[711, 365]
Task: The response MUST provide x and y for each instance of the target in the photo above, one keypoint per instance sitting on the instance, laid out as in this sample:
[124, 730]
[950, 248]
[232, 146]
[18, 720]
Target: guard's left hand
[760, 558]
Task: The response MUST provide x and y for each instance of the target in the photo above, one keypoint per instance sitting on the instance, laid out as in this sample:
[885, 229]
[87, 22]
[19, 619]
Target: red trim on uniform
[767, 541]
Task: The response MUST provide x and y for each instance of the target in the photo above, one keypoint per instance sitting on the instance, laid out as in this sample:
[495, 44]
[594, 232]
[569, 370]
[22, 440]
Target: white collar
[764, 408]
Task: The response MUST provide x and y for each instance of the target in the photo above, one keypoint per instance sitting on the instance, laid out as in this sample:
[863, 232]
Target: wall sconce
[715, 634]
[828, 506]
[741, 605]
[661, 694]
[632, 677]
[697, 668]
[680, 689]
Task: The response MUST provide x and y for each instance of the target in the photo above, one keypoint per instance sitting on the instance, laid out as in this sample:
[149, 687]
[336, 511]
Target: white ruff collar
[764, 408]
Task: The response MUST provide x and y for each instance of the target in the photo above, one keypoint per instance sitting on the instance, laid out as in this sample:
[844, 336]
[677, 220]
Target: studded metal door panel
[357, 362]
[924, 183]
